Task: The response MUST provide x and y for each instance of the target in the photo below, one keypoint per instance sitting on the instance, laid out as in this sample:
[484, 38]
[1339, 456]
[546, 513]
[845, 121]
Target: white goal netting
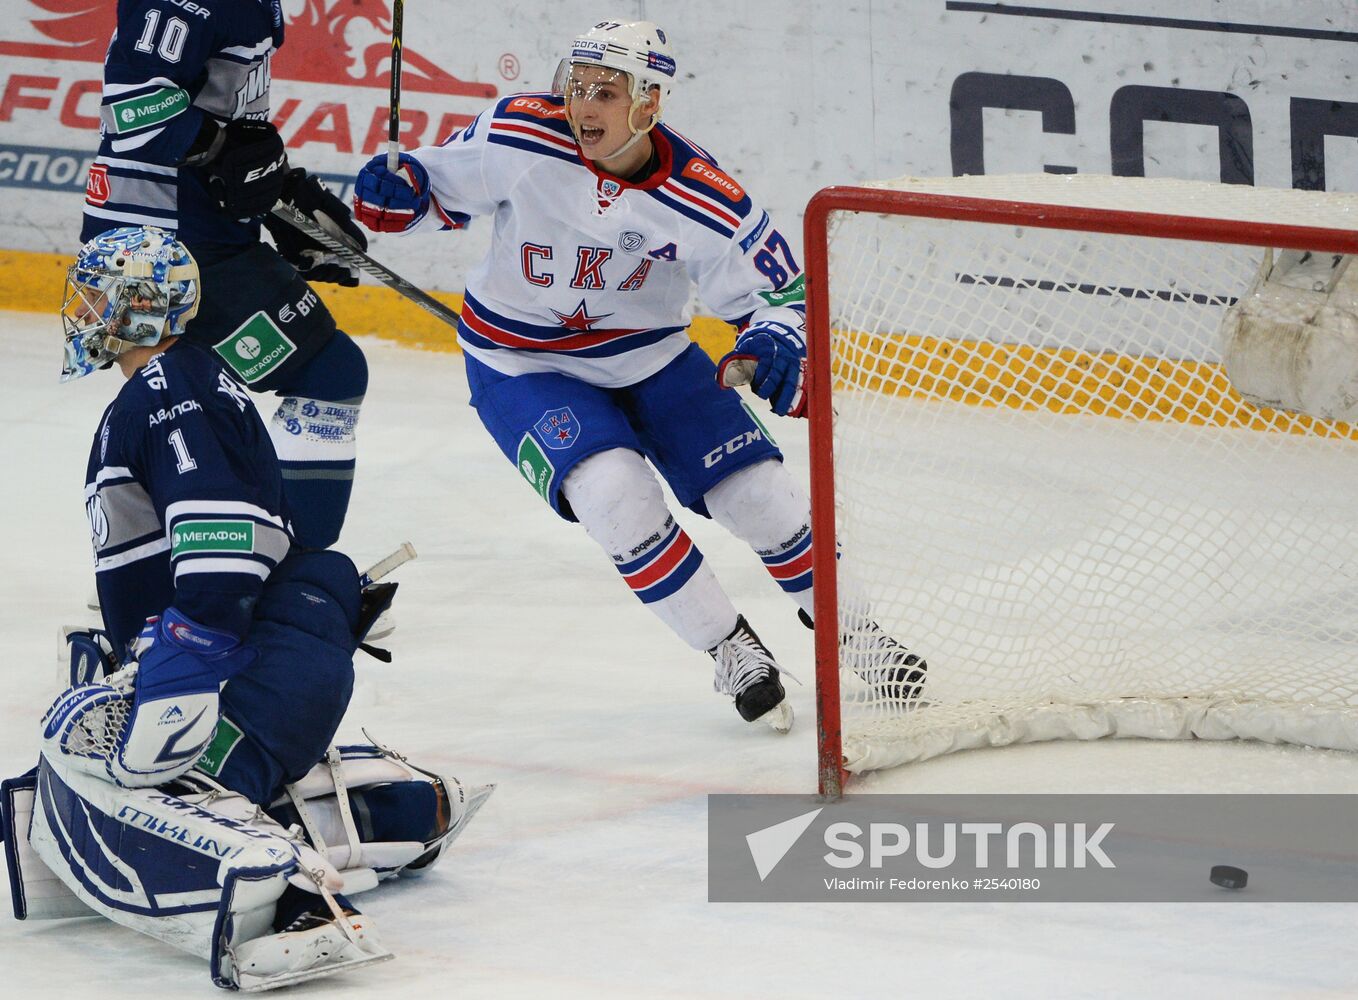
[1045, 484]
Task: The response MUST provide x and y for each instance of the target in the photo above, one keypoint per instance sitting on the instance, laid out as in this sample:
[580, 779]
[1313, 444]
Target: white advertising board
[790, 95]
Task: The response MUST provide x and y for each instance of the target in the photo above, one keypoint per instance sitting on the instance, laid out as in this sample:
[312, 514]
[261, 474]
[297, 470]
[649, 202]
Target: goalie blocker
[76, 844]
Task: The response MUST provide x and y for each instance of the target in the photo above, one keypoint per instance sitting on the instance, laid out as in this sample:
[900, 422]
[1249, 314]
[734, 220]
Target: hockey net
[1029, 467]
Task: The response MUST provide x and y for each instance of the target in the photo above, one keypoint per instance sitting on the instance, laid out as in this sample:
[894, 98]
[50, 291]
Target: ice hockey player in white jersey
[574, 331]
[187, 787]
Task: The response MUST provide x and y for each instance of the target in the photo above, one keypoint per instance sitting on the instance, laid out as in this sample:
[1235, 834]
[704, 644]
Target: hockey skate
[747, 671]
[312, 946]
[879, 660]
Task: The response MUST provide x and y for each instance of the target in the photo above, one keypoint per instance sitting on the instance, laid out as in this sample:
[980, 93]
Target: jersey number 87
[770, 266]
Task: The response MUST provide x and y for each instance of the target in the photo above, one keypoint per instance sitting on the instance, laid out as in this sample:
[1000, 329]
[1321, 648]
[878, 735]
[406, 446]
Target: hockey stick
[394, 104]
[382, 567]
[359, 259]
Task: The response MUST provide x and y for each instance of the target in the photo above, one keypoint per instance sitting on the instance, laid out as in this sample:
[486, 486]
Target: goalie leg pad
[34, 888]
[366, 808]
[193, 865]
[156, 863]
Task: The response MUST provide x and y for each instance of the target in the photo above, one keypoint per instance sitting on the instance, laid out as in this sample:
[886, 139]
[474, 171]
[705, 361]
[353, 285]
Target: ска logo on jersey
[558, 429]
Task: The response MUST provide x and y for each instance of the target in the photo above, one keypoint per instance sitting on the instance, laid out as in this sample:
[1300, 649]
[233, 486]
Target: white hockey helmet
[638, 48]
[129, 287]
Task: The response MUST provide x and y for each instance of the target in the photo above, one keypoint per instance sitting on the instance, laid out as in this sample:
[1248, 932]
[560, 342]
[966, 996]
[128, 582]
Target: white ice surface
[522, 659]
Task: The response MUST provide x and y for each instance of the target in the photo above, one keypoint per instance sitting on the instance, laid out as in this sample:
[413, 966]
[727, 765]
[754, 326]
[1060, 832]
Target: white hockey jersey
[588, 275]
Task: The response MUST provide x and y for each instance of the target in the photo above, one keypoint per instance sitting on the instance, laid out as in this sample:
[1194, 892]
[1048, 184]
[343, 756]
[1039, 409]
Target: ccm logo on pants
[731, 447]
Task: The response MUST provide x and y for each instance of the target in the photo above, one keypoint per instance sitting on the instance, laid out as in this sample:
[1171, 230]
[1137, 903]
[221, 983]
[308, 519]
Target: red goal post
[1014, 376]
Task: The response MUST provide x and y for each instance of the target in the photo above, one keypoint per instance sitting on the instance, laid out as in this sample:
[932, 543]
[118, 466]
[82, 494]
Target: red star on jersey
[580, 319]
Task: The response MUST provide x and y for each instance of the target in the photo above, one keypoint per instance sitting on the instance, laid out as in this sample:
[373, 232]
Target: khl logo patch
[558, 429]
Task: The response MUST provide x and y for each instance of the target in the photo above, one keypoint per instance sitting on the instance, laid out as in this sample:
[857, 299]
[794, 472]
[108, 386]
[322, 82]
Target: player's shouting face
[606, 118]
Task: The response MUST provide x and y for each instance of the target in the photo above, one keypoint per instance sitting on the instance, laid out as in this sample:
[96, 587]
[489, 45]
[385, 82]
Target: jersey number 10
[172, 39]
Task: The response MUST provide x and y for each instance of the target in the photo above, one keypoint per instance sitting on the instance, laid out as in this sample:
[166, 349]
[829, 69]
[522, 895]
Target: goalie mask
[129, 287]
[637, 56]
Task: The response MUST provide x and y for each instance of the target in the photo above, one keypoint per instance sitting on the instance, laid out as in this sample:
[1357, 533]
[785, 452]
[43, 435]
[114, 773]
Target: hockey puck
[1229, 877]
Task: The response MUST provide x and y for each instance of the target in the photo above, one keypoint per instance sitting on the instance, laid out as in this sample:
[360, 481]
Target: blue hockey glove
[771, 358]
[388, 202]
[151, 721]
[181, 666]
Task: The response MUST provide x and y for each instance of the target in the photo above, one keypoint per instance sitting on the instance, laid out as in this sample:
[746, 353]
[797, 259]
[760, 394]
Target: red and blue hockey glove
[771, 358]
[391, 202]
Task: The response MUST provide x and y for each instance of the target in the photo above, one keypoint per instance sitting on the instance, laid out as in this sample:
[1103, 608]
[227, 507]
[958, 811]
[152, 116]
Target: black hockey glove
[245, 165]
[313, 260]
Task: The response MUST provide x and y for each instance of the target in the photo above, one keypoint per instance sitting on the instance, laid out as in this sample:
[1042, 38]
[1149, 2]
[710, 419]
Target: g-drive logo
[938, 845]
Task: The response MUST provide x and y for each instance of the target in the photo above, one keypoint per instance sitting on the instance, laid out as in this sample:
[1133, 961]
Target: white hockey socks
[766, 508]
[617, 498]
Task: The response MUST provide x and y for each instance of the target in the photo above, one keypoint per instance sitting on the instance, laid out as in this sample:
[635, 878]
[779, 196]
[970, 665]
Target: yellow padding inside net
[1061, 380]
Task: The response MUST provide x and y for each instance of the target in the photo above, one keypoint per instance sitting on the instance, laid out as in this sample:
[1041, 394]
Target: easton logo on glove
[261, 172]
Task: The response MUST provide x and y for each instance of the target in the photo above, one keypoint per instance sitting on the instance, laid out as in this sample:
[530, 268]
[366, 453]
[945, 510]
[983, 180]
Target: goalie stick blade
[356, 257]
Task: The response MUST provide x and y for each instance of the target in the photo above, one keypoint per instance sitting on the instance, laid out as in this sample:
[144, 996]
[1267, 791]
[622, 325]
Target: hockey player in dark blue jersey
[221, 676]
[186, 145]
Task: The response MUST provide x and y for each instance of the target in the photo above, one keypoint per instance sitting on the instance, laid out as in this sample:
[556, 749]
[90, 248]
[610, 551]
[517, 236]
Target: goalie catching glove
[771, 358]
[151, 721]
[313, 260]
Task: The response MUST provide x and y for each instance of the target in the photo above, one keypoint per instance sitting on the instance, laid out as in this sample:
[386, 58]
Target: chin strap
[636, 138]
[636, 132]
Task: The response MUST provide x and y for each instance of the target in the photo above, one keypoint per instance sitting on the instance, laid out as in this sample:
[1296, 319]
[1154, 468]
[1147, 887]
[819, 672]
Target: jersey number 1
[183, 461]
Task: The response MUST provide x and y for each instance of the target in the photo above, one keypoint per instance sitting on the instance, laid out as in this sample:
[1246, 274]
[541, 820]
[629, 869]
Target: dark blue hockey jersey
[184, 497]
[170, 65]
